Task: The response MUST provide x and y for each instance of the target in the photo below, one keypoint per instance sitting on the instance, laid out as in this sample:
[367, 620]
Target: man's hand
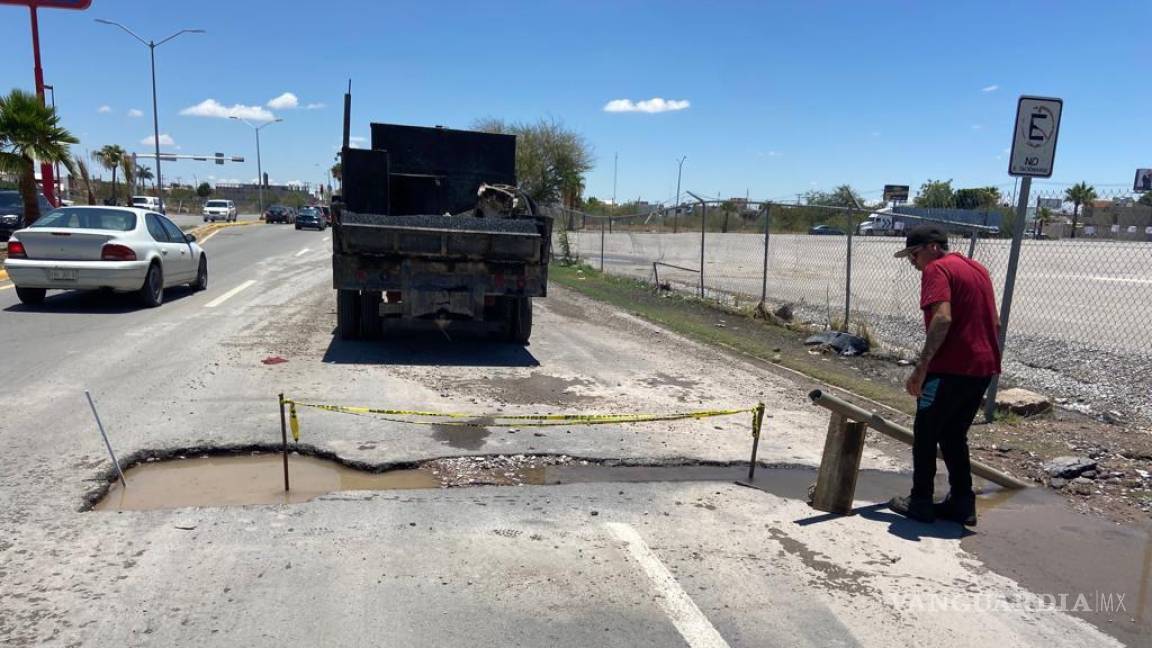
[915, 383]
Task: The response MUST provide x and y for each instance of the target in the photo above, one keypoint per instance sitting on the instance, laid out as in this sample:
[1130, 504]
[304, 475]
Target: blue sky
[781, 97]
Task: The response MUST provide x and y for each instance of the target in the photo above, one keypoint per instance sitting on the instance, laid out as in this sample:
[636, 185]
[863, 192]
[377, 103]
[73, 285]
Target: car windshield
[141, 200]
[217, 203]
[106, 219]
[307, 211]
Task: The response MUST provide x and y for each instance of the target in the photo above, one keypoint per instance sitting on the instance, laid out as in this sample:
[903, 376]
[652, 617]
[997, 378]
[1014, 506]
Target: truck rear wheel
[348, 314]
[371, 324]
[520, 320]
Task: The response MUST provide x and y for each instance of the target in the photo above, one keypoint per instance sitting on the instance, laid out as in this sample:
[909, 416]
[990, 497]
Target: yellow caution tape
[293, 422]
[519, 420]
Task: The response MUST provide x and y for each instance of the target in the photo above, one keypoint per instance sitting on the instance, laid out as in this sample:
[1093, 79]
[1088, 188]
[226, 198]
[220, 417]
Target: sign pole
[1009, 288]
[46, 177]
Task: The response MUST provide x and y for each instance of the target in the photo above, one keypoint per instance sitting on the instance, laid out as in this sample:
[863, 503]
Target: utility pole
[676, 207]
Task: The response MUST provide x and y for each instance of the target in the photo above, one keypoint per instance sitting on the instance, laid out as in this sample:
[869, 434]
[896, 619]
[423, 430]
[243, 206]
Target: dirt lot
[1119, 489]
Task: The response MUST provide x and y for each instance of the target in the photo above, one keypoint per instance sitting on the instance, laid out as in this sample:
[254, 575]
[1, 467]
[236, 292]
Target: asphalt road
[697, 563]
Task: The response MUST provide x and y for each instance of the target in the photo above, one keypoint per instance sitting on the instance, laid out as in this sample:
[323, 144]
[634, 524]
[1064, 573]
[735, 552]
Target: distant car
[119, 248]
[12, 211]
[310, 217]
[279, 214]
[826, 230]
[215, 210]
[151, 203]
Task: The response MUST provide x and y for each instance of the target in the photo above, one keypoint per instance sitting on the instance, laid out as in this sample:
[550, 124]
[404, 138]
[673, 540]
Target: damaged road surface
[587, 562]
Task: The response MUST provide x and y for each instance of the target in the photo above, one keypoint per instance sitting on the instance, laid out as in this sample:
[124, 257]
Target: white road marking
[696, 629]
[210, 235]
[327, 238]
[7, 287]
[228, 295]
[301, 252]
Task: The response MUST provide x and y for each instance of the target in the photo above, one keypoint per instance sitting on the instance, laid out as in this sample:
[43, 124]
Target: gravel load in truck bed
[456, 223]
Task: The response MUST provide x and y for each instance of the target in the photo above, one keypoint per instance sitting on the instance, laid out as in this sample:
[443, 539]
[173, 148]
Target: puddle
[248, 479]
[464, 437]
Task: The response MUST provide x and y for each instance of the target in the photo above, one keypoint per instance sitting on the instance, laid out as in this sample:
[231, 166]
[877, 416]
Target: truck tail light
[16, 250]
[117, 252]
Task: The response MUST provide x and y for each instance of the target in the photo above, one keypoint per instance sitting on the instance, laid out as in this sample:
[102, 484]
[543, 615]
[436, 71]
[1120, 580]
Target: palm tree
[1079, 194]
[31, 131]
[144, 174]
[1043, 217]
[86, 178]
[128, 166]
[110, 156]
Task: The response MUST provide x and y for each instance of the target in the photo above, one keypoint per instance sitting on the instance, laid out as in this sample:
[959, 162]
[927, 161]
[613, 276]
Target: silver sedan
[117, 248]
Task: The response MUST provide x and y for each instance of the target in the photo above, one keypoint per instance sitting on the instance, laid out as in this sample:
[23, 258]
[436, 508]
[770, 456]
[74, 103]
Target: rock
[1088, 474]
[784, 312]
[1144, 474]
[1057, 482]
[1068, 467]
[903, 363]
[1113, 417]
[1081, 486]
[1022, 402]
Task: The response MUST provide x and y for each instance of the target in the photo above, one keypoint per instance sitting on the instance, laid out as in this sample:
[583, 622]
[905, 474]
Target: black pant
[947, 405]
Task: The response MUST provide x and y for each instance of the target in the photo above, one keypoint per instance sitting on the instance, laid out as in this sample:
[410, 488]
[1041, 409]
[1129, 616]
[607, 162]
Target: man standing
[961, 354]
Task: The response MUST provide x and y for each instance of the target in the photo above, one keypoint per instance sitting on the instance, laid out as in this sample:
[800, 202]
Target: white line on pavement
[210, 235]
[696, 629]
[301, 252]
[326, 239]
[7, 287]
[231, 293]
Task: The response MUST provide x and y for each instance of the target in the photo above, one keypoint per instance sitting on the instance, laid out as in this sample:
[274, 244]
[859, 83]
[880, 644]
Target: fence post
[848, 271]
[601, 245]
[1009, 289]
[703, 227]
[972, 244]
[764, 273]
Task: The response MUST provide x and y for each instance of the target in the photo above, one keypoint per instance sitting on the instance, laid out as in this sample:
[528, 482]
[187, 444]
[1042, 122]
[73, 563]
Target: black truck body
[411, 248]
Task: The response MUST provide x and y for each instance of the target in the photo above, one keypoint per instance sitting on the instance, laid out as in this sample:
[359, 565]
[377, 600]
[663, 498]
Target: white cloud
[165, 140]
[653, 105]
[213, 108]
[314, 106]
[284, 101]
[135, 112]
[356, 141]
[991, 88]
[104, 109]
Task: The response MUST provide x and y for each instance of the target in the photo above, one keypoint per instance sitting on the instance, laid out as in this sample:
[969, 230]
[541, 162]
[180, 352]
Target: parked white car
[215, 210]
[118, 248]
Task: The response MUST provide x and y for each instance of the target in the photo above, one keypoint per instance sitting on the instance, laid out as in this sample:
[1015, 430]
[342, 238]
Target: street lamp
[152, 45]
[59, 182]
[259, 168]
[676, 213]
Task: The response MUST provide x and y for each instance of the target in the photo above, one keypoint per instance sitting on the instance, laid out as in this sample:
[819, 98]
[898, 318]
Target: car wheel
[205, 219]
[297, 228]
[201, 282]
[31, 296]
[151, 294]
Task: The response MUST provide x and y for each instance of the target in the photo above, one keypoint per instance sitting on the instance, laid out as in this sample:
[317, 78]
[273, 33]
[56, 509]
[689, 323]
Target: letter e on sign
[1034, 137]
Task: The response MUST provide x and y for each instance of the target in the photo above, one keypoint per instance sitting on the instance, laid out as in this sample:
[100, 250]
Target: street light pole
[259, 166]
[676, 207]
[58, 183]
[152, 45]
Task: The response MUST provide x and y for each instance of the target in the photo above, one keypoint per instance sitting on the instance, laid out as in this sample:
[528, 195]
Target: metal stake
[757, 423]
[972, 245]
[284, 441]
[1009, 288]
[123, 482]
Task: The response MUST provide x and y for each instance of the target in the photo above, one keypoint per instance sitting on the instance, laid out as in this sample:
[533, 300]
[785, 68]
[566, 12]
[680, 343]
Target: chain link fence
[1081, 324]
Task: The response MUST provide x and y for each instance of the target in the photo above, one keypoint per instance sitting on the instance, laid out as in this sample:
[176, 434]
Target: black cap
[923, 235]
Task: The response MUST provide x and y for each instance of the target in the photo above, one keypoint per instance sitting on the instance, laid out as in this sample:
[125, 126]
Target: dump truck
[431, 233]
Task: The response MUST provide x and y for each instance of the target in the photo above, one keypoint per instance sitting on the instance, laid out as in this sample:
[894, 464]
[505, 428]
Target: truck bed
[443, 237]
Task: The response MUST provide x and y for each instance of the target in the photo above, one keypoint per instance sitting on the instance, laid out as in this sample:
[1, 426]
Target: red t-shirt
[972, 347]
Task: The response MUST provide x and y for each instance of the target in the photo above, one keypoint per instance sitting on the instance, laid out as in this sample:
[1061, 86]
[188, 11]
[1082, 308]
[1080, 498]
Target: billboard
[1143, 181]
[895, 193]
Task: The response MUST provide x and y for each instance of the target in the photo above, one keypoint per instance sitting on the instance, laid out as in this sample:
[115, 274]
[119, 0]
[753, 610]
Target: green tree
[1043, 217]
[978, 198]
[144, 174]
[1146, 198]
[31, 131]
[726, 208]
[936, 194]
[110, 156]
[551, 160]
[1079, 194]
[204, 190]
[842, 196]
[128, 167]
[86, 178]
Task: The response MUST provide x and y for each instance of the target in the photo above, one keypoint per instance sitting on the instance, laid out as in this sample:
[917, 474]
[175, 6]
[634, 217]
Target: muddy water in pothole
[254, 479]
